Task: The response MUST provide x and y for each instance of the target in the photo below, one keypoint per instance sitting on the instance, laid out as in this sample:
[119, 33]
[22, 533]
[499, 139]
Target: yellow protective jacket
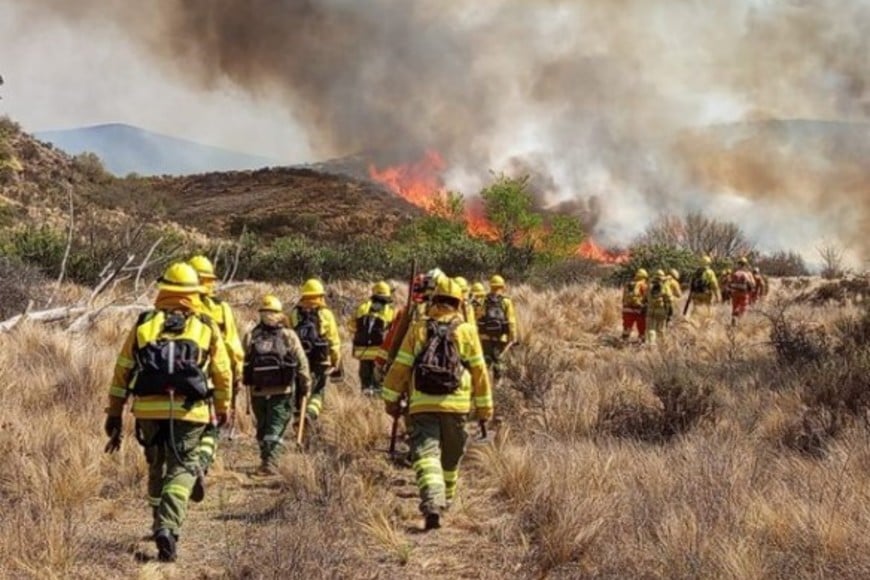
[510, 314]
[658, 305]
[475, 386]
[215, 365]
[222, 314]
[709, 277]
[674, 287]
[633, 296]
[328, 326]
[303, 372]
[388, 315]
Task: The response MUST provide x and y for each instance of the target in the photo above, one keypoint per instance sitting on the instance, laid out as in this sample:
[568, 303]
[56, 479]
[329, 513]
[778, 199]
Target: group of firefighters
[432, 361]
[648, 304]
[184, 363]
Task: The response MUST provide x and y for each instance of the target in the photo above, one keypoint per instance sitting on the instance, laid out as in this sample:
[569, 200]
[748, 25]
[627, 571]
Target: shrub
[653, 257]
[782, 264]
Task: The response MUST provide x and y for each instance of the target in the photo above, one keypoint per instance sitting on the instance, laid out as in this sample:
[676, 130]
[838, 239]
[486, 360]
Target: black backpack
[371, 329]
[438, 369]
[699, 284]
[171, 362]
[494, 320]
[268, 361]
[308, 330]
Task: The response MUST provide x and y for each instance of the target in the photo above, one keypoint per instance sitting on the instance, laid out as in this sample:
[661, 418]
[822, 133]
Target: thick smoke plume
[641, 106]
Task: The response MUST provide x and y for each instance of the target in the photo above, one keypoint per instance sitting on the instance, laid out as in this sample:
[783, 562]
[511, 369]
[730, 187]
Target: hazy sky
[60, 75]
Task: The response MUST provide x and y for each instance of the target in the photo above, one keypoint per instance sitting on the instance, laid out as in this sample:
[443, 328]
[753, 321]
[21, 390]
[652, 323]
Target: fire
[419, 183]
[422, 184]
[592, 251]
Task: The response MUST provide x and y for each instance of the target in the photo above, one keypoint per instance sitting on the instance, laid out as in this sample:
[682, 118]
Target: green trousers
[273, 414]
[656, 323]
[437, 446]
[170, 481]
[207, 447]
[318, 392]
[492, 353]
[367, 375]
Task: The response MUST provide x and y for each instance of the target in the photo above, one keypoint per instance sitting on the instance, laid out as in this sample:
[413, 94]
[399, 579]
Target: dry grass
[719, 454]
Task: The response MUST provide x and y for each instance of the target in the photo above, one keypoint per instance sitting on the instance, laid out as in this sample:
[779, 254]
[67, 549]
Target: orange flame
[592, 251]
[422, 184]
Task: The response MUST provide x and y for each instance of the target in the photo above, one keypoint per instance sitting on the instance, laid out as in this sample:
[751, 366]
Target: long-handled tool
[300, 432]
[398, 338]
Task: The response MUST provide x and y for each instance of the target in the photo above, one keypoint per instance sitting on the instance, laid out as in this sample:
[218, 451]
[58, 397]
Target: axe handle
[302, 412]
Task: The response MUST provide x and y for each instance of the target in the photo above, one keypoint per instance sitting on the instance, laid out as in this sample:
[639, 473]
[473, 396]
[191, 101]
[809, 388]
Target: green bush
[654, 257]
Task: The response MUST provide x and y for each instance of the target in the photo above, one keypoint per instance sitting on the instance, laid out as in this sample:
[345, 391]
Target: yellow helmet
[270, 303]
[313, 288]
[641, 274]
[382, 289]
[743, 261]
[706, 260]
[660, 273]
[448, 288]
[675, 274]
[180, 277]
[496, 282]
[477, 289]
[463, 283]
[203, 267]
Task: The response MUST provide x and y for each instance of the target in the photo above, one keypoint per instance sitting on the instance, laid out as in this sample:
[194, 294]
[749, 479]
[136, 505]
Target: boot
[166, 542]
[432, 521]
[197, 494]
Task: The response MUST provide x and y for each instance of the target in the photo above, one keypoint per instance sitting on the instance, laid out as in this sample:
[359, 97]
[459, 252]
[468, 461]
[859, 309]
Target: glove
[303, 390]
[336, 373]
[484, 413]
[393, 409]
[222, 418]
[113, 425]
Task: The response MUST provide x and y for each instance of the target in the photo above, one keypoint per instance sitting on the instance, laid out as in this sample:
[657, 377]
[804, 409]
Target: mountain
[126, 149]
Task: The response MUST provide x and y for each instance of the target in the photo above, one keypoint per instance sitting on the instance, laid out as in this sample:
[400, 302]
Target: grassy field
[721, 454]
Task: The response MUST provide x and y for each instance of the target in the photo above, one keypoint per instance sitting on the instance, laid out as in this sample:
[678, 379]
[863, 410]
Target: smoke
[602, 99]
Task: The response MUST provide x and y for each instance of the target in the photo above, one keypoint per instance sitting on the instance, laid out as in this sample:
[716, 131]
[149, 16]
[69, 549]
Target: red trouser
[739, 303]
[632, 318]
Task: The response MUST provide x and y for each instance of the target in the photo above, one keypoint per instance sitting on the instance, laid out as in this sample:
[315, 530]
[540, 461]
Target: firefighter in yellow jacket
[497, 325]
[316, 328]
[369, 327]
[165, 364]
[276, 368]
[658, 306]
[222, 314]
[441, 368]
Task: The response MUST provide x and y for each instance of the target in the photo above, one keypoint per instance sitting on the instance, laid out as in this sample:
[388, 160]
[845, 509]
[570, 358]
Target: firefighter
[658, 307]
[761, 286]
[442, 382]
[633, 295]
[467, 307]
[369, 327]
[497, 326]
[704, 286]
[477, 293]
[317, 330]
[742, 285]
[174, 339]
[725, 276]
[222, 314]
[276, 370]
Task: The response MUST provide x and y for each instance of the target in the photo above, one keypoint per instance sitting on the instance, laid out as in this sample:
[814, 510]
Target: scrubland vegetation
[739, 454]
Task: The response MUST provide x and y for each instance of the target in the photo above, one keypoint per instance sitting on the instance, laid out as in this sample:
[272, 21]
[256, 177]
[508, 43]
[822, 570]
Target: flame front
[421, 183]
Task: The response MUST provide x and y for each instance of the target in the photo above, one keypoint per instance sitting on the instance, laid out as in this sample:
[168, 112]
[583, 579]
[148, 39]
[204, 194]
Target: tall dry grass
[721, 453]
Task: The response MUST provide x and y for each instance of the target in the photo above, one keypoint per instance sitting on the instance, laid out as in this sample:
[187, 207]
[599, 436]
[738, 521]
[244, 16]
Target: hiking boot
[165, 541]
[433, 521]
[197, 494]
[266, 469]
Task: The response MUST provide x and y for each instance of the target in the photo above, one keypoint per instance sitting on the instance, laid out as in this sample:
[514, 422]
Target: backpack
[308, 329]
[268, 361]
[631, 298]
[371, 329]
[173, 360]
[700, 284]
[656, 295]
[438, 369]
[494, 320]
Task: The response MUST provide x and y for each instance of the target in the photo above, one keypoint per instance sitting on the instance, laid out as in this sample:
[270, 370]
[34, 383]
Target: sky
[60, 75]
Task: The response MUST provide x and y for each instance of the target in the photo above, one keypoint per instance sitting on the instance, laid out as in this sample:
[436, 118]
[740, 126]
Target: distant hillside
[125, 149]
